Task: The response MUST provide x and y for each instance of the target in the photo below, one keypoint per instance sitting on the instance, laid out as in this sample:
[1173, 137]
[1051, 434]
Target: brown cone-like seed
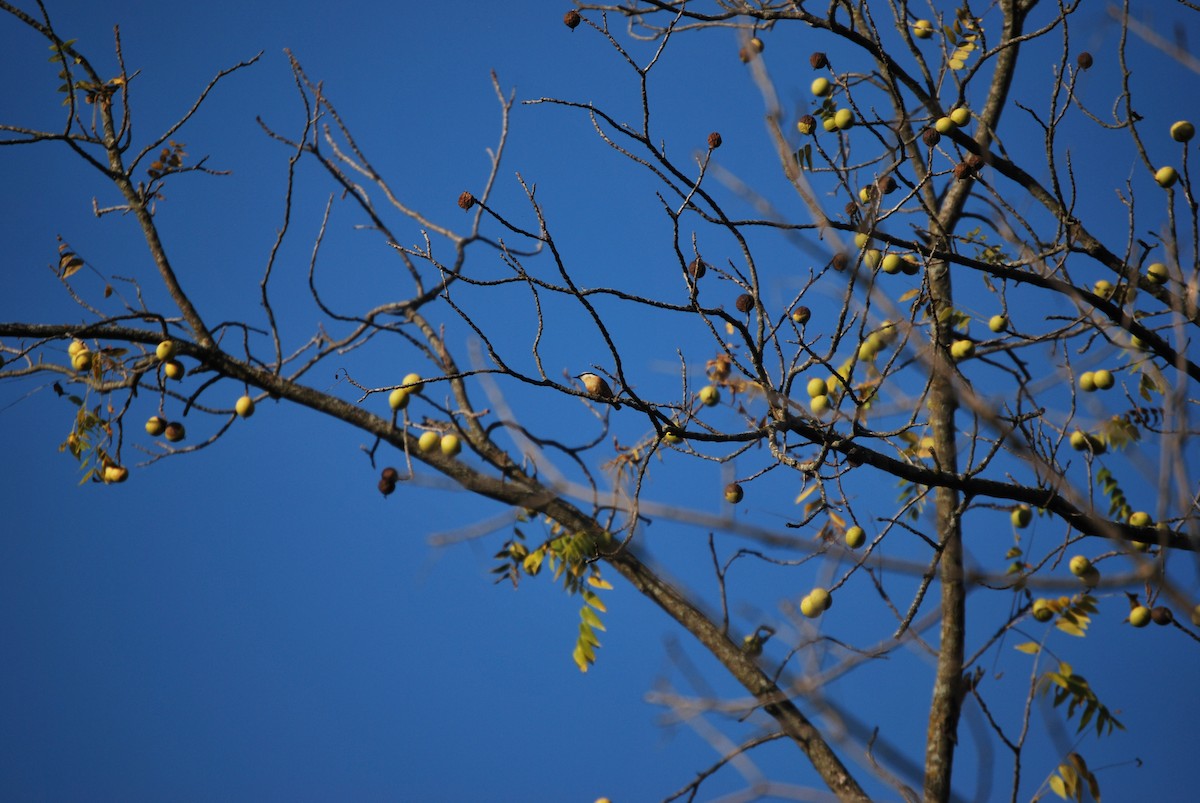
[466, 200]
[714, 140]
[697, 268]
[1084, 60]
[572, 19]
[1162, 615]
[386, 487]
[744, 303]
[886, 185]
[818, 60]
[963, 171]
[840, 261]
[931, 137]
[974, 161]
[851, 209]
[390, 474]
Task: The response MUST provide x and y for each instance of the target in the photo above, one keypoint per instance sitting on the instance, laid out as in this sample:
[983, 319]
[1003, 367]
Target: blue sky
[254, 622]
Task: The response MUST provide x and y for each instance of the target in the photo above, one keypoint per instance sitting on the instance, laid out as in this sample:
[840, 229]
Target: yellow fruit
[821, 87]
[244, 407]
[155, 426]
[805, 125]
[710, 395]
[960, 116]
[1182, 131]
[1091, 578]
[872, 257]
[1139, 616]
[1087, 381]
[861, 239]
[1079, 565]
[398, 399]
[843, 119]
[429, 441]
[1103, 379]
[1079, 440]
[1156, 273]
[821, 598]
[867, 351]
[76, 347]
[115, 474]
[817, 387]
[943, 125]
[733, 493]
[829, 125]
[891, 264]
[962, 349]
[82, 361]
[1166, 176]
[165, 351]
[998, 323]
[855, 537]
[1196, 616]
[1139, 519]
[1042, 611]
[819, 404]
[1022, 516]
[411, 379]
[671, 436]
[922, 29]
[173, 369]
[1103, 288]
[450, 445]
[174, 432]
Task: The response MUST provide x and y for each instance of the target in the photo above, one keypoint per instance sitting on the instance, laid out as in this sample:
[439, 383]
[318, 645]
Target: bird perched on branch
[598, 388]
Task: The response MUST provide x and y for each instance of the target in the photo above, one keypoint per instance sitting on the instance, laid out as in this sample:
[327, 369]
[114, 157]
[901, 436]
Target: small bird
[597, 387]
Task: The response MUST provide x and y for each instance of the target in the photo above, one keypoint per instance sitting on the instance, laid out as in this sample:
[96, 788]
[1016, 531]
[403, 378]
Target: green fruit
[843, 119]
[855, 537]
[998, 323]
[861, 239]
[166, 350]
[1182, 131]
[821, 87]
[710, 395]
[944, 125]
[892, 263]
[1139, 519]
[450, 445]
[960, 116]
[244, 407]
[155, 426]
[922, 29]
[429, 441]
[1103, 379]
[819, 404]
[398, 399]
[962, 349]
[1139, 616]
[1156, 273]
[1166, 176]
[1022, 516]
[1087, 381]
[733, 493]
[1079, 565]
[817, 387]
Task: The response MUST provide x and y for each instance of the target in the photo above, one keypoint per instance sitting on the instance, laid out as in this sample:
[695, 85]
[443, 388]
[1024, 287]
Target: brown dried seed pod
[386, 487]
[572, 19]
[697, 268]
[756, 45]
[1084, 60]
[974, 161]
[744, 303]
[390, 474]
[801, 315]
[818, 60]
[963, 171]
[714, 140]
[931, 137]
[840, 261]
[466, 200]
[886, 185]
[744, 55]
[807, 124]
[851, 208]
[1162, 615]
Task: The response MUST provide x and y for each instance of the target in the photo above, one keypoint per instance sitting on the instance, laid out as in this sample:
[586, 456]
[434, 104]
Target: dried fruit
[818, 60]
[572, 19]
[744, 303]
[1084, 60]
[714, 140]
[466, 200]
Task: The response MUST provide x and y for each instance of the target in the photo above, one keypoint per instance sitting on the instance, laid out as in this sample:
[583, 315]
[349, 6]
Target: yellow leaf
[913, 293]
[837, 520]
[596, 581]
[1056, 783]
[805, 494]
[1070, 628]
[1029, 648]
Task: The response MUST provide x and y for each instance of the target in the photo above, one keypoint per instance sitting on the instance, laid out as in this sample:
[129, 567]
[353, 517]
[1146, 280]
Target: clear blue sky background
[254, 622]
